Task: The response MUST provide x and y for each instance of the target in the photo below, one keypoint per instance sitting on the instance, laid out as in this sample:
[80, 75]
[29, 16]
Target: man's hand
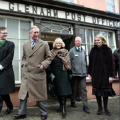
[89, 76]
[41, 66]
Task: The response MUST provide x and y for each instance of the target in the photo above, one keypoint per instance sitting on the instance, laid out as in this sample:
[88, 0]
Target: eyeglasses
[4, 33]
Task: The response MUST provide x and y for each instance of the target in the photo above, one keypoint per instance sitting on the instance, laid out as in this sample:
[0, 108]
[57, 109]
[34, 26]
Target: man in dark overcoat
[116, 55]
[36, 58]
[7, 81]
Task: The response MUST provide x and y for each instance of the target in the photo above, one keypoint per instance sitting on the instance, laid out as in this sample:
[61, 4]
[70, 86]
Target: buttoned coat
[7, 80]
[33, 77]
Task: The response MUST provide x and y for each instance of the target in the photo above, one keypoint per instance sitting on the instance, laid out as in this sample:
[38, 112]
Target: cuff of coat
[1, 67]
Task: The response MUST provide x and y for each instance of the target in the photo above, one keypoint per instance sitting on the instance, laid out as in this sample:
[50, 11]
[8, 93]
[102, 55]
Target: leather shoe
[73, 104]
[86, 109]
[8, 111]
[99, 112]
[107, 112]
[43, 117]
[18, 116]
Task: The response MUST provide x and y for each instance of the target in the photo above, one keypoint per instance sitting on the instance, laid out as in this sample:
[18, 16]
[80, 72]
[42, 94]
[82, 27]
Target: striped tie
[33, 45]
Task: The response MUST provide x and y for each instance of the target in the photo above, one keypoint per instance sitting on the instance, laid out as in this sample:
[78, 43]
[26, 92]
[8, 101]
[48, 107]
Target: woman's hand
[110, 79]
[89, 76]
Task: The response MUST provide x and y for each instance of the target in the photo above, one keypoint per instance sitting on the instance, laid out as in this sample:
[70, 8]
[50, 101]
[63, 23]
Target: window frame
[100, 30]
[19, 43]
[111, 6]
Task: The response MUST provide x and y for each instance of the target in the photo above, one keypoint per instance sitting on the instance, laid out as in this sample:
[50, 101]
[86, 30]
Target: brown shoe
[43, 117]
[18, 116]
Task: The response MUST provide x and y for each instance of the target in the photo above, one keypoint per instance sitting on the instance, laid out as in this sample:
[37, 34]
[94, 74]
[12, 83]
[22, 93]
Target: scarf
[2, 43]
[63, 55]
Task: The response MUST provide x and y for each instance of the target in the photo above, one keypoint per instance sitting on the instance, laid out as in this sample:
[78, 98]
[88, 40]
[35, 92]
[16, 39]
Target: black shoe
[86, 109]
[60, 109]
[73, 104]
[18, 116]
[107, 112]
[99, 112]
[8, 111]
[43, 117]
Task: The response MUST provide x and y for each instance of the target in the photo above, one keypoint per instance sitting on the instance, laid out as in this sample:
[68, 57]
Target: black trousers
[7, 100]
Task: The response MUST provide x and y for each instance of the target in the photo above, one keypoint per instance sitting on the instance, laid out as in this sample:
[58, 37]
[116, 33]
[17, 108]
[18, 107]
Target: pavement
[72, 113]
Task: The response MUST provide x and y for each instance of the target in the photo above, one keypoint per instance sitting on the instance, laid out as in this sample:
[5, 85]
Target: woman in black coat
[59, 67]
[101, 71]
[7, 81]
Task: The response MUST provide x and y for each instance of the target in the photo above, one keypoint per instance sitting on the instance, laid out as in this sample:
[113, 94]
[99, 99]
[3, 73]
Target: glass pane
[24, 29]
[104, 33]
[16, 51]
[96, 32]
[56, 27]
[89, 36]
[83, 46]
[46, 30]
[110, 38]
[108, 7]
[113, 9]
[46, 24]
[108, 1]
[2, 22]
[67, 1]
[55, 31]
[65, 32]
[112, 2]
[21, 47]
[65, 26]
[16, 70]
[89, 48]
[82, 34]
[112, 48]
[12, 28]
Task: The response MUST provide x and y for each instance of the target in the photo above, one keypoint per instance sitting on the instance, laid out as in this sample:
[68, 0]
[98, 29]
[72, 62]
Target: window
[18, 32]
[111, 5]
[56, 27]
[87, 35]
[70, 1]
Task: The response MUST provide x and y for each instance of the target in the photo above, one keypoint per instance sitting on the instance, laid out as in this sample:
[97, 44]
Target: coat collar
[37, 46]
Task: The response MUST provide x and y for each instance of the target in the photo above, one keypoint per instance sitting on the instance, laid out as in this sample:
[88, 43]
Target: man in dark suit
[7, 81]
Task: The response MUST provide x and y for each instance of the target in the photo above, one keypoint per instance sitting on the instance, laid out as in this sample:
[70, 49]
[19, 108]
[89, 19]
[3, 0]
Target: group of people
[37, 57]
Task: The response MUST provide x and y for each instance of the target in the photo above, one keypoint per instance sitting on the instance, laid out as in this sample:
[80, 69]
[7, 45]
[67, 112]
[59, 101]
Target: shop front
[56, 19]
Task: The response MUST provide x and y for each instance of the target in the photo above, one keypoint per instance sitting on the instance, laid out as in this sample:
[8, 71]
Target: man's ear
[81, 42]
[30, 33]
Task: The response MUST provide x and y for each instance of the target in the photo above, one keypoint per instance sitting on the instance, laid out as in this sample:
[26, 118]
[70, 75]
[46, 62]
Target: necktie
[33, 45]
[79, 49]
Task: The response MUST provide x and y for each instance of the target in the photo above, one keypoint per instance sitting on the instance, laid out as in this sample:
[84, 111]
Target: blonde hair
[58, 40]
[104, 42]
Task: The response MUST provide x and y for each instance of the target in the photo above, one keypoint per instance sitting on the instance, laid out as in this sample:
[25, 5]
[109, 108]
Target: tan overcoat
[33, 77]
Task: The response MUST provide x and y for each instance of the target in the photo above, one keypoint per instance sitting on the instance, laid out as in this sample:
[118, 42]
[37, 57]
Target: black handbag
[51, 89]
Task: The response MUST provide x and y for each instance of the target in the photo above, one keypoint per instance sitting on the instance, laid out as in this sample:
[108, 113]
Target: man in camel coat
[36, 58]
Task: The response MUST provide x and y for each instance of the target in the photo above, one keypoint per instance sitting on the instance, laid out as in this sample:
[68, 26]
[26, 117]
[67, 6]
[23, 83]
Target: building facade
[59, 18]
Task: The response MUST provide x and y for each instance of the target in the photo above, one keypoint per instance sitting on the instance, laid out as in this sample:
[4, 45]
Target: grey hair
[58, 40]
[31, 29]
[78, 38]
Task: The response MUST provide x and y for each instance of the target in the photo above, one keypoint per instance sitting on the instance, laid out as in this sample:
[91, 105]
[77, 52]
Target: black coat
[61, 81]
[7, 81]
[116, 56]
[101, 66]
